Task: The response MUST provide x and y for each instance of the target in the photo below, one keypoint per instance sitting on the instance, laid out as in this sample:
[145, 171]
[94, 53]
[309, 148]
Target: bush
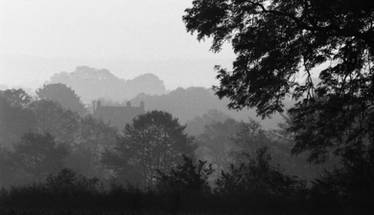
[185, 177]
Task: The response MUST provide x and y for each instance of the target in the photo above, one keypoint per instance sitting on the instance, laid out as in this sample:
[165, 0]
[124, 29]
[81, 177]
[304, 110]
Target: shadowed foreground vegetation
[253, 187]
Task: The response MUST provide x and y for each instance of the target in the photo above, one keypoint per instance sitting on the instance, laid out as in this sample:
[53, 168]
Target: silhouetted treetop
[258, 176]
[187, 176]
[274, 40]
[279, 46]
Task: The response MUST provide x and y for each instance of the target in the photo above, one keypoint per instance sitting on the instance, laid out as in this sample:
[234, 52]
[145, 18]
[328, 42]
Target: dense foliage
[318, 53]
[254, 186]
[281, 46]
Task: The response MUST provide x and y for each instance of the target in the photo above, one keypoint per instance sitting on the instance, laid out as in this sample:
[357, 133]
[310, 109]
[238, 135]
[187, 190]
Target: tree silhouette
[63, 95]
[279, 46]
[351, 184]
[154, 141]
[186, 182]
[188, 176]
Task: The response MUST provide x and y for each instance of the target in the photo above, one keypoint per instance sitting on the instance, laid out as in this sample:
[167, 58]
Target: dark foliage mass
[279, 45]
[253, 185]
[257, 177]
[186, 177]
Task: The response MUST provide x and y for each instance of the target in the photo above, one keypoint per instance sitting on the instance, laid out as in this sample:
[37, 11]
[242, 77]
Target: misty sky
[103, 33]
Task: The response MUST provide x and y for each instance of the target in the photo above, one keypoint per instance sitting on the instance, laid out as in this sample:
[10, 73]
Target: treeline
[254, 187]
[38, 136]
[56, 161]
[44, 134]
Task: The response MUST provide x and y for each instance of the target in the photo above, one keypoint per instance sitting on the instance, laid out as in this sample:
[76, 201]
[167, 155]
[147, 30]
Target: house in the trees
[117, 116]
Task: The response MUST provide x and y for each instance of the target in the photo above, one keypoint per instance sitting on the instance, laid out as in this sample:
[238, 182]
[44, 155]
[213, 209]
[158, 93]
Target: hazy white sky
[146, 30]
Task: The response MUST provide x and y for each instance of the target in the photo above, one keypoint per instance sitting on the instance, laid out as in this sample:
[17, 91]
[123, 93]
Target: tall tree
[280, 44]
[63, 95]
[154, 141]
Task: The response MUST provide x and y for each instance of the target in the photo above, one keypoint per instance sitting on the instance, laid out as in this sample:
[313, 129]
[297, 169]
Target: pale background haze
[41, 37]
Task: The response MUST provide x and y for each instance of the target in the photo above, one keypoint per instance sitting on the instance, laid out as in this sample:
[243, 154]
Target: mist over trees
[26, 123]
[186, 153]
[63, 95]
[187, 104]
[197, 125]
[153, 142]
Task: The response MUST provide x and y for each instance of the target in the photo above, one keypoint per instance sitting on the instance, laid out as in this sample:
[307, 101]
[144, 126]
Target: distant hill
[187, 104]
[91, 84]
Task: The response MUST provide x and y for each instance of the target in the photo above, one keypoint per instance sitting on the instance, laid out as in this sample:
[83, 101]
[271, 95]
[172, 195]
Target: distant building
[117, 116]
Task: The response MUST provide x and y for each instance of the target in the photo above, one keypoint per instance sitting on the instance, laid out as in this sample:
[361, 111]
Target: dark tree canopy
[280, 46]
